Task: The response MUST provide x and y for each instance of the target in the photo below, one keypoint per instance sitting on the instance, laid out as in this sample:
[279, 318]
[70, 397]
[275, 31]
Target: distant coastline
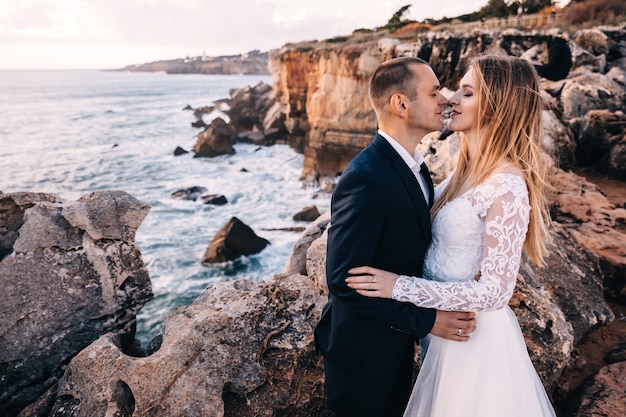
[250, 63]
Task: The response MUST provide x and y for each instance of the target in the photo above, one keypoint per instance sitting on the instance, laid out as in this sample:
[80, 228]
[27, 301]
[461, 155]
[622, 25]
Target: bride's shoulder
[506, 179]
[506, 174]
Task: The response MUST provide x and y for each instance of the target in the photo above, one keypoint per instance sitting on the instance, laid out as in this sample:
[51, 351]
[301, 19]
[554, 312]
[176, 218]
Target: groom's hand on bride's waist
[454, 325]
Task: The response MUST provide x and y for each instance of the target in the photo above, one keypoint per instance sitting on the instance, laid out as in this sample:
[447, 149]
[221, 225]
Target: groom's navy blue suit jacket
[379, 218]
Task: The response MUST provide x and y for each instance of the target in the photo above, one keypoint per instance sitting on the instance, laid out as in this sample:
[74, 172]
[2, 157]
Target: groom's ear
[397, 104]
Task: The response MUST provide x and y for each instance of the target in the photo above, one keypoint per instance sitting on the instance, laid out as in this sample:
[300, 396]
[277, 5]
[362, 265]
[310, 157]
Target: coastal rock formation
[246, 349]
[215, 199]
[191, 193]
[322, 88]
[604, 394]
[601, 142]
[595, 224]
[217, 139]
[241, 348]
[307, 214]
[70, 272]
[233, 240]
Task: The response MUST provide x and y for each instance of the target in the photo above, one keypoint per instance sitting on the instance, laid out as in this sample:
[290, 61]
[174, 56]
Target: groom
[380, 218]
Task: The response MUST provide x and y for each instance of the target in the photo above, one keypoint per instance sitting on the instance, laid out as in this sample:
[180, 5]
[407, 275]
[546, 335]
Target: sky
[110, 34]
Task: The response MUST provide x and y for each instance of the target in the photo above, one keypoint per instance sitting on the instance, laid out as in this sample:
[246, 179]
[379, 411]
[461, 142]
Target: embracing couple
[394, 279]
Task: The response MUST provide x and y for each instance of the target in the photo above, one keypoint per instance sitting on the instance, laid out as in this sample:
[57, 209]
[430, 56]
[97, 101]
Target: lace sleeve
[504, 207]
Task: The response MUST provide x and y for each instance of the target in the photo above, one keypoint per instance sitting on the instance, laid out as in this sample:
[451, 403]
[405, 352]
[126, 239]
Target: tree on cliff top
[396, 21]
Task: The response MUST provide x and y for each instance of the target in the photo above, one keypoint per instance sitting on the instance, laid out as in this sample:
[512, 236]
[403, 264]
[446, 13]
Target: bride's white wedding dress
[491, 375]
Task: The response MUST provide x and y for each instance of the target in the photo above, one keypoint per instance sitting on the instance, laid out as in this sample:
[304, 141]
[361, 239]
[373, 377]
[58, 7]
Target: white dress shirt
[414, 162]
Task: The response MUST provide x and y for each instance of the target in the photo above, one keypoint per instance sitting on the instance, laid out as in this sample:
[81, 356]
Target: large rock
[233, 240]
[557, 140]
[297, 263]
[440, 155]
[254, 108]
[217, 139]
[307, 214]
[241, 349]
[591, 91]
[70, 273]
[604, 394]
[600, 141]
[595, 224]
[593, 40]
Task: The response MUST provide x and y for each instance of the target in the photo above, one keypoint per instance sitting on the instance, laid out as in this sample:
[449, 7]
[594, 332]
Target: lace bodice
[480, 232]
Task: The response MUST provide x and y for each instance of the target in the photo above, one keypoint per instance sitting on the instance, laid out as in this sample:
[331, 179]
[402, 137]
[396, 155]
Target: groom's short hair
[394, 76]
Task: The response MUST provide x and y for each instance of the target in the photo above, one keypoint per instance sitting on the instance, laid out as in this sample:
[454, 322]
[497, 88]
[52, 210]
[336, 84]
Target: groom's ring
[373, 278]
[459, 332]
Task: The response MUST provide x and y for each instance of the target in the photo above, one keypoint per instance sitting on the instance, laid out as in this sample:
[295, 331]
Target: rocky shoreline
[246, 348]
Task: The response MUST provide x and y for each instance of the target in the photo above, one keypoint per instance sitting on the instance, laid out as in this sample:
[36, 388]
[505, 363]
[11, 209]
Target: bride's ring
[373, 278]
[459, 332]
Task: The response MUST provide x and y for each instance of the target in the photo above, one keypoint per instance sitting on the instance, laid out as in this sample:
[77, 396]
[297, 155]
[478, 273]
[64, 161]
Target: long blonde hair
[507, 128]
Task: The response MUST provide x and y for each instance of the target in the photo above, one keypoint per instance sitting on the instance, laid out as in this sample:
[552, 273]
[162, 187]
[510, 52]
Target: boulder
[217, 139]
[71, 274]
[591, 91]
[593, 40]
[261, 137]
[233, 240]
[557, 140]
[440, 155]
[603, 394]
[599, 140]
[241, 349]
[297, 263]
[191, 193]
[254, 108]
[595, 225]
[307, 214]
[215, 199]
[617, 160]
[180, 151]
[12, 208]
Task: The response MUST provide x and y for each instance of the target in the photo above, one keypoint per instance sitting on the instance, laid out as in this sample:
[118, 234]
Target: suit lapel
[410, 182]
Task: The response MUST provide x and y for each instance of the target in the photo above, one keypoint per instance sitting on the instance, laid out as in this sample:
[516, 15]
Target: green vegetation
[497, 8]
[576, 15]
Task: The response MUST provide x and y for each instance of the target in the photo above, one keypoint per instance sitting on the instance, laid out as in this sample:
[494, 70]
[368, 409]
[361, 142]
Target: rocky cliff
[246, 349]
[69, 272]
[322, 87]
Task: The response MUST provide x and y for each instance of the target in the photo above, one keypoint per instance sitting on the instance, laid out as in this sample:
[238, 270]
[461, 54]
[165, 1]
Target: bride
[489, 210]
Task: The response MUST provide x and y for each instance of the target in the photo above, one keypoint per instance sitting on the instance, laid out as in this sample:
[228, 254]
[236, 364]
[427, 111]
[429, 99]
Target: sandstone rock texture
[69, 272]
[241, 348]
[322, 88]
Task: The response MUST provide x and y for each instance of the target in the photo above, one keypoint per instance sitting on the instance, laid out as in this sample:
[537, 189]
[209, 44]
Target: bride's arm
[506, 224]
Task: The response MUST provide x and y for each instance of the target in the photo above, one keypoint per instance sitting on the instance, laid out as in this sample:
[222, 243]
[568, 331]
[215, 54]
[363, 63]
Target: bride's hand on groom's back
[371, 282]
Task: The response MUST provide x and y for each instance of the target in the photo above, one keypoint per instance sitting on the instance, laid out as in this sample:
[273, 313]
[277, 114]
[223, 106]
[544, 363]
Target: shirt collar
[411, 160]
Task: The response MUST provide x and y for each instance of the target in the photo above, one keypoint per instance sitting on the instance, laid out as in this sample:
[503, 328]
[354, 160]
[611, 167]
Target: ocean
[73, 132]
